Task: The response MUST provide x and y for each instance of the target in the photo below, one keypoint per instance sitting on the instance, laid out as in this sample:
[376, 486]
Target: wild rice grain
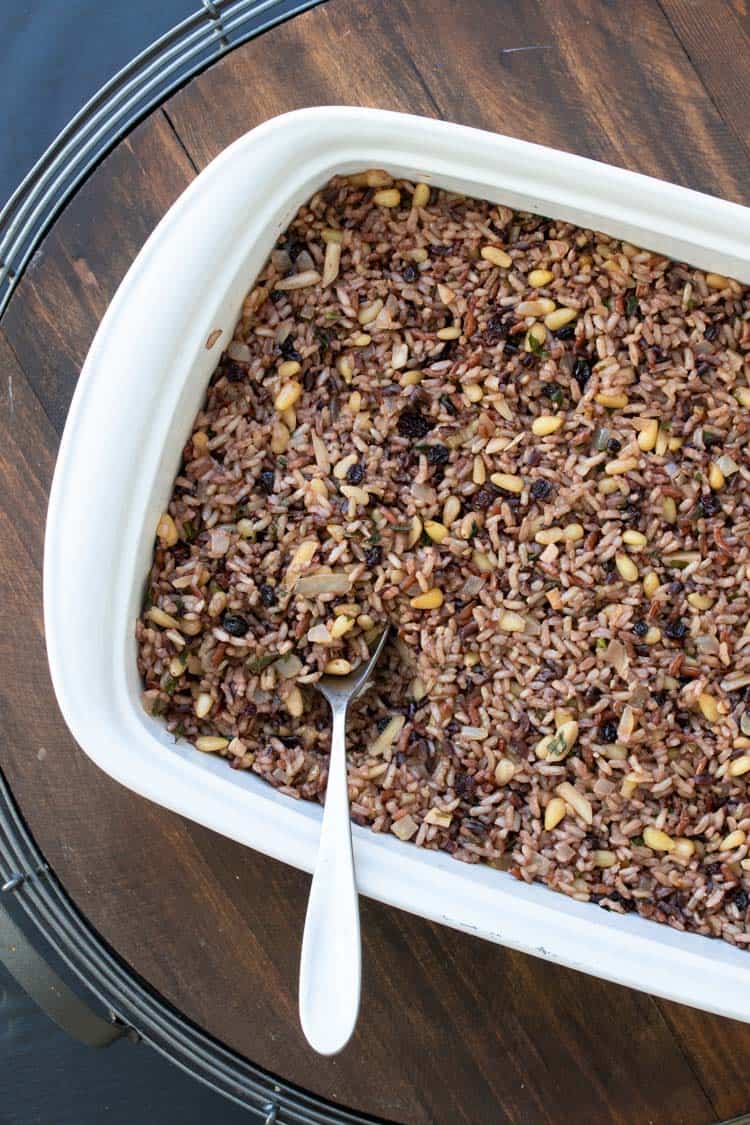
[416, 424]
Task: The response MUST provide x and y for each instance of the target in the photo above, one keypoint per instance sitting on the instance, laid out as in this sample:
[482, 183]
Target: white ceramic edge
[137, 394]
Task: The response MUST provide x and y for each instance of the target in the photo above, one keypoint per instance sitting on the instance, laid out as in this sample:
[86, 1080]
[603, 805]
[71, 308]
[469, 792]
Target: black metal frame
[211, 31]
[28, 889]
[109, 985]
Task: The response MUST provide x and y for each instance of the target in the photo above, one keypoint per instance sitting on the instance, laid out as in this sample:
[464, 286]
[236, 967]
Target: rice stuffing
[525, 445]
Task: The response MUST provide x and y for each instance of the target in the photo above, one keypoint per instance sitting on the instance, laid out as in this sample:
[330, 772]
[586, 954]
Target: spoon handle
[331, 962]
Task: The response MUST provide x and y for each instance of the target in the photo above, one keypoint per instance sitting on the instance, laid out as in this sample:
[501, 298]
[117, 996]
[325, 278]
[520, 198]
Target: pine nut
[436, 531]
[700, 601]
[451, 510]
[289, 368]
[389, 197]
[337, 667]
[651, 584]
[166, 531]
[421, 196]
[294, 702]
[496, 256]
[504, 771]
[554, 813]
[479, 472]
[604, 858]
[709, 708]
[203, 705]
[508, 482]
[578, 803]
[414, 531]
[341, 626]
[298, 281]
[287, 396]
[211, 744]
[648, 435]
[733, 840]
[370, 312]
[669, 510]
[559, 318]
[547, 424]
[539, 278]
[612, 400]
[162, 619]
[432, 599]
[716, 477]
[626, 568]
[620, 465]
[657, 840]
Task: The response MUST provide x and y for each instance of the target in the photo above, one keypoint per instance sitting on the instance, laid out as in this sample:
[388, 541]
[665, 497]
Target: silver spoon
[331, 963]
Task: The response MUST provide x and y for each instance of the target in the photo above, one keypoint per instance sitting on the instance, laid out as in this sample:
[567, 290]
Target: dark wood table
[453, 1029]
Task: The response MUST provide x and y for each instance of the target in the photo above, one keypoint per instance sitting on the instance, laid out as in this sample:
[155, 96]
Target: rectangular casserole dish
[140, 388]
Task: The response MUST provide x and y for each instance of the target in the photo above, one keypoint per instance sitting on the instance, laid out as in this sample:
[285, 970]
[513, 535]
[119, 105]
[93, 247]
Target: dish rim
[285, 156]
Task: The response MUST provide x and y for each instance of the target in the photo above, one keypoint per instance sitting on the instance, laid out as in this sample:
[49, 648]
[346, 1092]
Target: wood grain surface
[452, 1029]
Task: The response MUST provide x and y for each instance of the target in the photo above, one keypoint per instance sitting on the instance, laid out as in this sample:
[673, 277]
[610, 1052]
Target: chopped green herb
[474, 530]
[374, 538]
[282, 462]
[260, 662]
[601, 642]
[631, 305]
[188, 531]
[637, 840]
[536, 347]
[400, 527]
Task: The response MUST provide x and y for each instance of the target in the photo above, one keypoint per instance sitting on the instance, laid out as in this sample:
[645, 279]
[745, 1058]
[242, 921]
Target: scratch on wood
[11, 402]
[532, 47]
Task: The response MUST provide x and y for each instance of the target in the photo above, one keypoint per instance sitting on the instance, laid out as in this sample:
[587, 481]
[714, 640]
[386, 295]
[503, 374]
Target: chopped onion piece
[314, 584]
[281, 261]
[239, 352]
[304, 261]
[601, 438]
[616, 656]
[727, 465]
[472, 586]
[288, 666]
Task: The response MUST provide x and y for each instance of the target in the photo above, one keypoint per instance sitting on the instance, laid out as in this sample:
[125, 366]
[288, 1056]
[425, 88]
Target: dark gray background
[54, 54]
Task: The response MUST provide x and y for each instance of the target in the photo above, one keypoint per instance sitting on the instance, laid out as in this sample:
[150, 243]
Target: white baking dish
[138, 393]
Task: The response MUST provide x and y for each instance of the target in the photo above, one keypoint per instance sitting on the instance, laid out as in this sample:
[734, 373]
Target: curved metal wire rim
[118, 990]
[200, 39]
